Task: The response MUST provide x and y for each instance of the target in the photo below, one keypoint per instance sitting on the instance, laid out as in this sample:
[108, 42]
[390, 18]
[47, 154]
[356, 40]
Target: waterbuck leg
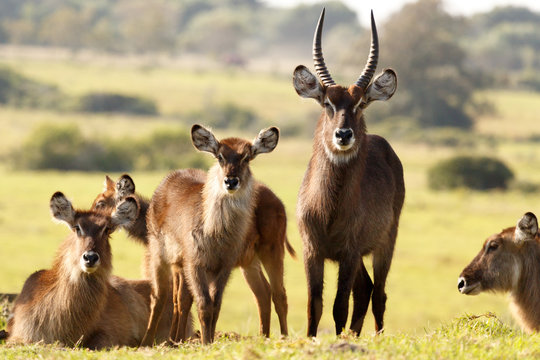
[273, 264]
[314, 267]
[201, 291]
[362, 289]
[381, 266]
[217, 295]
[346, 276]
[176, 308]
[261, 289]
[158, 296]
[185, 301]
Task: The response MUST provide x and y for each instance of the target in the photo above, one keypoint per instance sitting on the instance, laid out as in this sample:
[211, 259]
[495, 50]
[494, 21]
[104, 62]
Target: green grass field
[440, 232]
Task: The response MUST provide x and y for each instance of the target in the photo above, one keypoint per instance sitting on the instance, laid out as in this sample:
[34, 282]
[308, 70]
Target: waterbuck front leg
[314, 267]
[220, 280]
[201, 291]
[346, 277]
[362, 289]
[185, 301]
[261, 289]
[176, 308]
[160, 273]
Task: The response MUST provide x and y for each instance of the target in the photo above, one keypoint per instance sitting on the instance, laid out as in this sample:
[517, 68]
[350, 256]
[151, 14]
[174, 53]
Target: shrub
[111, 102]
[226, 116]
[167, 149]
[17, 90]
[478, 173]
[62, 147]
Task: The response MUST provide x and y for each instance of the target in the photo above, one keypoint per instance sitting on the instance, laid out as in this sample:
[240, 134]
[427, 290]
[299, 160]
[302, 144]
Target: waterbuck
[352, 193]
[510, 262]
[78, 301]
[197, 227]
[266, 242]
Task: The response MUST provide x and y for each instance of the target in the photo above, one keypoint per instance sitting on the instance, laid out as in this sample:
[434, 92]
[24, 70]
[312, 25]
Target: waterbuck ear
[62, 209]
[124, 187]
[306, 84]
[382, 88]
[204, 140]
[526, 229]
[108, 185]
[126, 212]
[265, 142]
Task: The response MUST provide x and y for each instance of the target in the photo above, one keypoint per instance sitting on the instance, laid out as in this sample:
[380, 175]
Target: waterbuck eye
[77, 229]
[492, 246]
[220, 158]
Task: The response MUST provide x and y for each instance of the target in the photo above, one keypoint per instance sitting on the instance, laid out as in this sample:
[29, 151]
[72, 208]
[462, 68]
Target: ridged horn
[320, 66]
[373, 59]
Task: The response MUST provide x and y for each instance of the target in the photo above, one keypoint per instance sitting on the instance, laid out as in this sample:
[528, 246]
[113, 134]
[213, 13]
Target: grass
[467, 337]
[440, 232]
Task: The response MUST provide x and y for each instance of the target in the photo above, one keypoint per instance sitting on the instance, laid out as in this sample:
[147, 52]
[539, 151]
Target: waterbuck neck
[225, 213]
[526, 292]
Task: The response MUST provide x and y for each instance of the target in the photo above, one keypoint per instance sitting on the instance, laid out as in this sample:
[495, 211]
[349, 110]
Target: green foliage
[421, 42]
[20, 91]
[112, 102]
[63, 147]
[477, 173]
[226, 116]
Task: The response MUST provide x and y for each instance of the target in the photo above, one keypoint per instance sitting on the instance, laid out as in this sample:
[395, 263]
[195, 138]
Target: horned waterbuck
[198, 226]
[510, 262]
[78, 301]
[266, 242]
[352, 193]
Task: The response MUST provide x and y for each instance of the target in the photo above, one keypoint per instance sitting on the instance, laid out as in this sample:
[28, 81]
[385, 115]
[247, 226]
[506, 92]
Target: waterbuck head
[113, 193]
[234, 154]
[499, 264]
[91, 229]
[342, 127]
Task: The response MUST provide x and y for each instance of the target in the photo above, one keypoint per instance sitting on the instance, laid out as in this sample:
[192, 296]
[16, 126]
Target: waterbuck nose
[344, 135]
[461, 284]
[231, 183]
[90, 258]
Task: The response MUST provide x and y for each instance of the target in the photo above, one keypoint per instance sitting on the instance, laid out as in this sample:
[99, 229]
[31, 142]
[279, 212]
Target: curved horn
[371, 65]
[320, 66]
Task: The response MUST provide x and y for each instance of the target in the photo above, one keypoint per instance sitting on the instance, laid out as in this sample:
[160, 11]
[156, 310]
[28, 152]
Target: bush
[226, 116]
[477, 173]
[61, 147]
[17, 90]
[111, 102]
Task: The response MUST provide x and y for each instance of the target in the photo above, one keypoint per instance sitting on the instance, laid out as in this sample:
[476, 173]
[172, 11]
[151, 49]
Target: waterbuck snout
[509, 262]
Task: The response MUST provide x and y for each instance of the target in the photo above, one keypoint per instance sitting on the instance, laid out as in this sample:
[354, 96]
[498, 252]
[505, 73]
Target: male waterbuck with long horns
[197, 227]
[510, 262]
[352, 193]
[266, 242]
[78, 301]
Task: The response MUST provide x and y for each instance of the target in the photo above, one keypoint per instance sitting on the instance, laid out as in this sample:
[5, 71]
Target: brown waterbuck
[265, 243]
[352, 193]
[197, 227]
[510, 262]
[78, 301]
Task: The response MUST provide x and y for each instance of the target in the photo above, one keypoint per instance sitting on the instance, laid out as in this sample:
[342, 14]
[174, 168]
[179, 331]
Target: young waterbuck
[198, 225]
[351, 197]
[510, 262]
[266, 241]
[78, 301]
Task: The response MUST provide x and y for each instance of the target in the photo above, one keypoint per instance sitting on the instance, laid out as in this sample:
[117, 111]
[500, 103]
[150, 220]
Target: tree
[421, 42]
